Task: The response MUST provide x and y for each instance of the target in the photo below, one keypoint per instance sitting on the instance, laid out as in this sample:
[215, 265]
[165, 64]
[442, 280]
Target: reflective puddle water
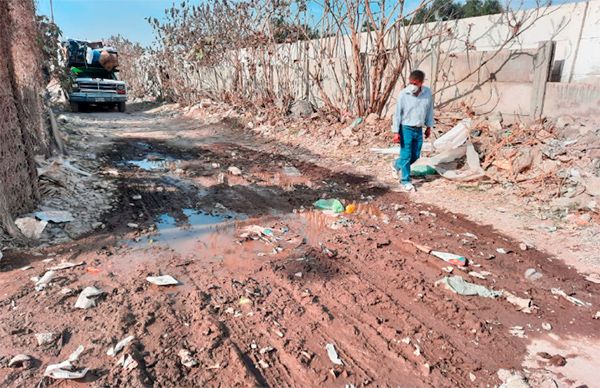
[154, 162]
[184, 232]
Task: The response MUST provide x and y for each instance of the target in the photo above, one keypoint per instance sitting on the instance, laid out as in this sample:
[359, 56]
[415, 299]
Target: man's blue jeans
[411, 141]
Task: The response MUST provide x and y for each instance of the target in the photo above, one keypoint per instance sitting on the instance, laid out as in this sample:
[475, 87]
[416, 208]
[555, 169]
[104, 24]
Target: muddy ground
[258, 306]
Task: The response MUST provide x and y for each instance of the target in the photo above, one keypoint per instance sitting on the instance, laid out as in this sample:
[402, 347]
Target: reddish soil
[260, 312]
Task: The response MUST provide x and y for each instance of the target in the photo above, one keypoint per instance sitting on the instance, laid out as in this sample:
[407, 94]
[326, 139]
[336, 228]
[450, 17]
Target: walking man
[414, 111]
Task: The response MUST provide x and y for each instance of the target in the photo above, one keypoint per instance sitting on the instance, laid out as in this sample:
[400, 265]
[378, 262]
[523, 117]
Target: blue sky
[98, 19]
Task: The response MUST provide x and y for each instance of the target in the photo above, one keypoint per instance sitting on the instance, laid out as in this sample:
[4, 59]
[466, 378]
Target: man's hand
[427, 132]
[397, 138]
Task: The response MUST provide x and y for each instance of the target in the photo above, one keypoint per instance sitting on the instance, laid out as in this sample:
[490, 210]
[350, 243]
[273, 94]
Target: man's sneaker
[407, 187]
[394, 170]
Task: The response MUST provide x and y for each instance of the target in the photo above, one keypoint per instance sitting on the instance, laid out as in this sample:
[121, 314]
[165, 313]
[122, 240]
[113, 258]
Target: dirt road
[257, 306]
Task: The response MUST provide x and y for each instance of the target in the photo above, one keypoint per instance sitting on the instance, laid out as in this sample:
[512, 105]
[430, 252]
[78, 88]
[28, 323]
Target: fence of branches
[344, 56]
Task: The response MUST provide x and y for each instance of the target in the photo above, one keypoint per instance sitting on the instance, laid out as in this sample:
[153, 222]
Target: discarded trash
[65, 265]
[503, 251]
[187, 359]
[30, 227]
[56, 216]
[597, 315]
[458, 285]
[136, 197]
[93, 270]
[44, 281]
[291, 171]
[593, 277]
[454, 138]
[164, 280]
[517, 331]
[132, 225]
[546, 326]
[257, 230]
[450, 258]
[422, 170]
[329, 204]
[66, 369]
[26, 268]
[18, 360]
[332, 354]
[114, 350]
[263, 364]
[234, 170]
[575, 301]
[46, 338]
[512, 380]
[87, 297]
[523, 304]
[533, 274]
[331, 253]
[244, 301]
[480, 275]
[420, 247]
[351, 208]
[127, 362]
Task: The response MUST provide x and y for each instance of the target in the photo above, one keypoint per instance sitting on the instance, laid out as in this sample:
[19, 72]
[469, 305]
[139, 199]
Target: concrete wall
[470, 61]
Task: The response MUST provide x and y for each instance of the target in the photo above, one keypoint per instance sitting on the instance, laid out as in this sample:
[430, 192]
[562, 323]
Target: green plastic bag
[329, 204]
[422, 170]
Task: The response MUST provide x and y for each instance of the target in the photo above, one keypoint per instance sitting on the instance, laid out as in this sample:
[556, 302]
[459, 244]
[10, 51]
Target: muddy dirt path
[266, 283]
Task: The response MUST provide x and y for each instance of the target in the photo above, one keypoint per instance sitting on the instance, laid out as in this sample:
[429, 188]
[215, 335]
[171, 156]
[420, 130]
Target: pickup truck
[98, 87]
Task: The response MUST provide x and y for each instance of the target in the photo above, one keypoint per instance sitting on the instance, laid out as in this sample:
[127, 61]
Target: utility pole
[51, 12]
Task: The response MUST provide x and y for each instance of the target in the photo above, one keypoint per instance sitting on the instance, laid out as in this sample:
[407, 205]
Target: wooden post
[541, 72]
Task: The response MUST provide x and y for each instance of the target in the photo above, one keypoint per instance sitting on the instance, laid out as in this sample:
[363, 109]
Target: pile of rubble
[74, 193]
[554, 162]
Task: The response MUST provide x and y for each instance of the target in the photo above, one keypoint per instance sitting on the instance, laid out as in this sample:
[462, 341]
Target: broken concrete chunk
[113, 350]
[186, 358]
[575, 301]
[517, 331]
[66, 369]
[332, 354]
[46, 338]
[127, 362]
[87, 298]
[164, 280]
[65, 265]
[44, 281]
[291, 171]
[593, 277]
[523, 304]
[234, 170]
[30, 227]
[532, 274]
[55, 216]
[512, 379]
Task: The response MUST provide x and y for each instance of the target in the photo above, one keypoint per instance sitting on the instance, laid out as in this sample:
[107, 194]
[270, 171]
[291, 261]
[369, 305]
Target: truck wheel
[75, 107]
[122, 107]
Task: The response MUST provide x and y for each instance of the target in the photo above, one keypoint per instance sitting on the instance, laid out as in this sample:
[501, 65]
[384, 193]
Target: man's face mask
[412, 88]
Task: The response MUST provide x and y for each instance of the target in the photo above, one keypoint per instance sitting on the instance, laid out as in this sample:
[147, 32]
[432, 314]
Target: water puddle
[154, 162]
[185, 232]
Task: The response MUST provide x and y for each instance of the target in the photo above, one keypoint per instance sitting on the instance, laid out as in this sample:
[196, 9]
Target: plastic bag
[330, 204]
